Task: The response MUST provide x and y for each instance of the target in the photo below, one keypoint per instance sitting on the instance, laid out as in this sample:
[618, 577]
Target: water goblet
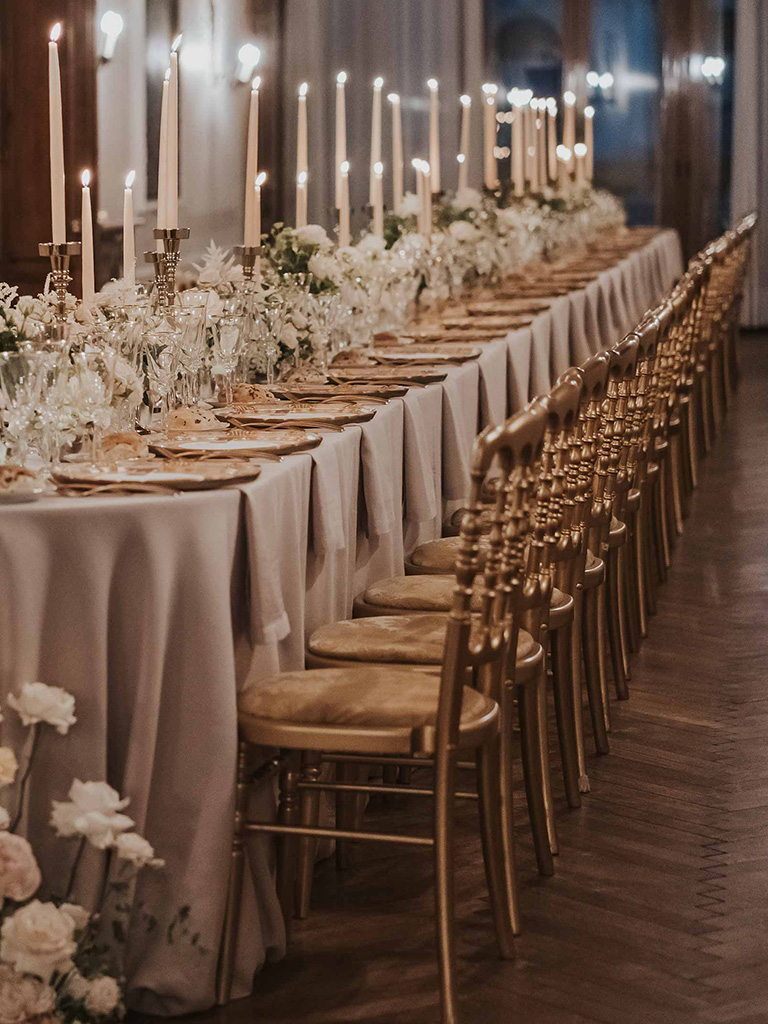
[228, 334]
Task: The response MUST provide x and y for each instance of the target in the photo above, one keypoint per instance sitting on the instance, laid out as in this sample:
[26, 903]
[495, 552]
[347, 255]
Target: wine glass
[95, 381]
[161, 339]
[20, 389]
[228, 334]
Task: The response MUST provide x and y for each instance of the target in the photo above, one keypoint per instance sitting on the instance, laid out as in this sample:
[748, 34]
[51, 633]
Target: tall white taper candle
[434, 133]
[378, 84]
[129, 251]
[251, 161]
[397, 152]
[56, 138]
[464, 140]
[86, 230]
[341, 131]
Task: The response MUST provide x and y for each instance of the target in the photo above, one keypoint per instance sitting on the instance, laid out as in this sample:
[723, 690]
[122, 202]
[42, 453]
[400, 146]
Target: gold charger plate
[147, 476]
[297, 414]
[233, 443]
[487, 322]
[412, 354]
[504, 305]
[341, 392]
[415, 375]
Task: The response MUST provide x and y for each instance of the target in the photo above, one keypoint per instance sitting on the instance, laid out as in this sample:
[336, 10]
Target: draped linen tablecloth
[153, 610]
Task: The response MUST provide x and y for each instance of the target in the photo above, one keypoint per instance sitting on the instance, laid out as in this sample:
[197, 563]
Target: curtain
[750, 147]
[404, 41]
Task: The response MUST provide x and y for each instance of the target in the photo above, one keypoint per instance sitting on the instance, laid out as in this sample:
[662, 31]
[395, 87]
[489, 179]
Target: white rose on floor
[80, 916]
[311, 234]
[38, 939]
[132, 847]
[8, 766]
[23, 999]
[19, 873]
[39, 702]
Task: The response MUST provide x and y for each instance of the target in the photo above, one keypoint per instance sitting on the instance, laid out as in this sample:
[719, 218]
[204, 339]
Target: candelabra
[60, 254]
[166, 261]
[249, 257]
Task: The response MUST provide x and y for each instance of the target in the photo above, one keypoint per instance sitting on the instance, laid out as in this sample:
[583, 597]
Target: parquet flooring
[658, 911]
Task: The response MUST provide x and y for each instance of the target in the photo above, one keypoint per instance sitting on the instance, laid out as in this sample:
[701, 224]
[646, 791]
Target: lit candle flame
[262, 177]
[341, 77]
[580, 149]
[378, 168]
[490, 89]
[466, 101]
[378, 82]
[56, 32]
[256, 84]
[130, 178]
[168, 75]
[303, 89]
[393, 97]
[302, 178]
[85, 177]
[589, 112]
[563, 153]
[432, 84]
[569, 98]
[176, 43]
[345, 167]
[461, 158]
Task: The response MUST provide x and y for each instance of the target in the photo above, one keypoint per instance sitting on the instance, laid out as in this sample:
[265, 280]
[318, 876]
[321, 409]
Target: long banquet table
[152, 610]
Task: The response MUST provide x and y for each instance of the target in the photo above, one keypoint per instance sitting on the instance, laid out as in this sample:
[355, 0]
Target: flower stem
[73, 872]
[25, 778]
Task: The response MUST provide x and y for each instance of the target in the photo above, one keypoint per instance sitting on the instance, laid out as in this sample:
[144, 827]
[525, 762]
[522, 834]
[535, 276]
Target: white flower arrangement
[55, 964]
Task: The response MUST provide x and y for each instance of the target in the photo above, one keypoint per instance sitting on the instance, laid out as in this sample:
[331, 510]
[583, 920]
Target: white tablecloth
[152, 610]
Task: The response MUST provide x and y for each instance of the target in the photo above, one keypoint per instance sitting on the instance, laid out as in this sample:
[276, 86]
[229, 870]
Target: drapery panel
[404, 41]
[750, 147]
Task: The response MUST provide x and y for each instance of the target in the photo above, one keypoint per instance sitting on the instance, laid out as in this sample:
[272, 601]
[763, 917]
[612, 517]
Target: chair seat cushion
[397, 639]
[370, 696]
[440, 555]
[417, 593]
[618, 533]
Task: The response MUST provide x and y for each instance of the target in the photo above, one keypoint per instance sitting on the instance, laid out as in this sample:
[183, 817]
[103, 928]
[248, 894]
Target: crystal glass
[94, 379]
[21, 383]
[162, 343]
[228, 335]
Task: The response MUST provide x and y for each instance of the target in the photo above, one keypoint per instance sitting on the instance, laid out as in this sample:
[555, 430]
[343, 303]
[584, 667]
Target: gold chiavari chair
[404, 714]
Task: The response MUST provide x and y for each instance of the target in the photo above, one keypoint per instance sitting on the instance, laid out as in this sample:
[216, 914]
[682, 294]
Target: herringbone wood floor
[658, 911]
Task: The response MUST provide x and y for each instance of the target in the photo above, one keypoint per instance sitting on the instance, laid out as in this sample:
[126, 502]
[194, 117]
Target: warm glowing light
[461, 158]
[303, 89]
[111, 23]
[302, 178]
[168, 74]
[589, 112]
[341, 77]
[256, 84]
[605, 81]
[262, 177]
[130, 178]
[344, 167]
[393, 97]
[378, 82]
[552, 106]
[85, 177]
[176, 43]
[563, 153]
[432, 84]
[466, 101]
[569, 98]
[580, 149]
[249, 54]
[490, 89]
[593, 79]
[425, 167]
[56, 32]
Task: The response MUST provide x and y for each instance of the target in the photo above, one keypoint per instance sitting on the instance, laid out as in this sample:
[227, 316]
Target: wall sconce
[604, 82]
[248, 57]
[111, 26]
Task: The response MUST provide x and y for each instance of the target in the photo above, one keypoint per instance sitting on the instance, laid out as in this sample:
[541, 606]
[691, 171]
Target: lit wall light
[713, 70]
[111, 26]
[605, 81]
[248, 56]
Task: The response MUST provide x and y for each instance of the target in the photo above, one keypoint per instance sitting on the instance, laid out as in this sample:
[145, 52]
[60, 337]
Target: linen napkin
[422, 483]
[377, 468]
[519, 345]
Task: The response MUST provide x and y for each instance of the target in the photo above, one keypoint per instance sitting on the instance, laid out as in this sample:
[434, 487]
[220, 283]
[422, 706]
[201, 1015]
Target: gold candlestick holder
[60, 254]
[166, 262]
[249, 257]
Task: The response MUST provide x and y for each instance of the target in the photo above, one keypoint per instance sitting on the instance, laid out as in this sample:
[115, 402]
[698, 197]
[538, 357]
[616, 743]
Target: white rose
[19, 874]
[323, 267]
[467, 199]
[311, 234]
[38, 939]
[371, 244]
[8, 766]
[289, 336]
[101, 830]
[132, 847]
[96, 796]
[410, 206]
[23, 998]
[39, 702]
[92, 812]
[103, 995]
[463, 231]
[80, 916]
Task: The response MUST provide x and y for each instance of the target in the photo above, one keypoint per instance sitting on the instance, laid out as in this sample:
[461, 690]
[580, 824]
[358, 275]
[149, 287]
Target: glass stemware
[21, 382]
[162, 340]
[228, 335]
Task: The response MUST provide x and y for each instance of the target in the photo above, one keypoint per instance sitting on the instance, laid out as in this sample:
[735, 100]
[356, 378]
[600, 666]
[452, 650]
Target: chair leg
[345, 815]
[629, 581]
[445, 785]
[669, 533]
[560, 646]
[661, 540]
[226, 968]
[686, 478]
[592, 670]
[504, 904]
[652, 557]
[546, 768]
[614, 632]
[618, 557]
[602, 654]
[675, 483]
[706, 412]
[288, 845]
[639, 582]
[309, 814]
[527, 709]
[507, 796]
[577, 645]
